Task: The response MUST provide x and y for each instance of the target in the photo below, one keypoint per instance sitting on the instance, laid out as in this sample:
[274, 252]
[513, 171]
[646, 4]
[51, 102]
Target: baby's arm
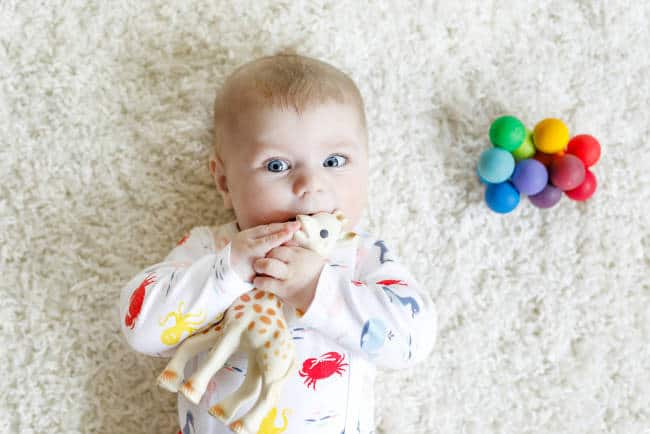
[167, 302]
[383, 312]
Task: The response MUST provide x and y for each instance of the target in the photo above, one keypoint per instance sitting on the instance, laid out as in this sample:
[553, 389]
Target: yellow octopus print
[172, 335]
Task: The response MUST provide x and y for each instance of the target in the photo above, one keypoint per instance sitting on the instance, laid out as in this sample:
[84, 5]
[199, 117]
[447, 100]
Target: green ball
[526, 149]
[507, 132]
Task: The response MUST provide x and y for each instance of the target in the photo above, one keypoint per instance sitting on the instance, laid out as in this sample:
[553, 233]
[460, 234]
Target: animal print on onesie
[255, 324]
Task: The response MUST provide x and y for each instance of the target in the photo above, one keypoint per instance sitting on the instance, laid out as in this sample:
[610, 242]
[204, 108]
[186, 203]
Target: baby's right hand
[254, 243]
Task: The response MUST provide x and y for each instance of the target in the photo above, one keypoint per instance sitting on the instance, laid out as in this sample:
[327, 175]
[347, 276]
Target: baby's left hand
[291, 272]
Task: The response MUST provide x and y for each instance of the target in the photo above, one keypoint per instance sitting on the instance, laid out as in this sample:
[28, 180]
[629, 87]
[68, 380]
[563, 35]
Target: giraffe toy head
[322, 232]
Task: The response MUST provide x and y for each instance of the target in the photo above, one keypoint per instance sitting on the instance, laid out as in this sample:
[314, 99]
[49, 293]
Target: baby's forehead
[282, 132]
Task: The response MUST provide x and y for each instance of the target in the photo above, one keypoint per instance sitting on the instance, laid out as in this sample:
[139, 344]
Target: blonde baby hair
[285, 79]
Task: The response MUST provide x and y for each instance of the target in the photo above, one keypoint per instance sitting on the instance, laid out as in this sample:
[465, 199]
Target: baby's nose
[307, 183]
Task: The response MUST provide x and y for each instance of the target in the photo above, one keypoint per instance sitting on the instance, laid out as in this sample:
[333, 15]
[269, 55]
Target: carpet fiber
[105, 125]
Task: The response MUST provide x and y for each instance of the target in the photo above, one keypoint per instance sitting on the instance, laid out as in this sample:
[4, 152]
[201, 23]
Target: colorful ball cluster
[540, 164]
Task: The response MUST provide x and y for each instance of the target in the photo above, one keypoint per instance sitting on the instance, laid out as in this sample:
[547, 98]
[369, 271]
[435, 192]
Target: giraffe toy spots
[255, 324]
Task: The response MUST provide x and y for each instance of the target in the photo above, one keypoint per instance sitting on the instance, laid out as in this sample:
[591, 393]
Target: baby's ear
[217, 170]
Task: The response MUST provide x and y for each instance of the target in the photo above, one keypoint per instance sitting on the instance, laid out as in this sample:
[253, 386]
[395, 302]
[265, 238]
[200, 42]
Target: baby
[290, 138]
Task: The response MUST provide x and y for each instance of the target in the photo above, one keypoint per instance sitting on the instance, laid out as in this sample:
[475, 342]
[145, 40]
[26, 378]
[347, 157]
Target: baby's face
[279, 164]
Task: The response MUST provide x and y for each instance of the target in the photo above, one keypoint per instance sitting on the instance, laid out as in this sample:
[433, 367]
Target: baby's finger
[267, 284]
[282, 253]
[266, 230]
[266, 243]
[271, 267]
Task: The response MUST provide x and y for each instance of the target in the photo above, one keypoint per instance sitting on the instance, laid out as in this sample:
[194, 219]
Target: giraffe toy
[254, 323]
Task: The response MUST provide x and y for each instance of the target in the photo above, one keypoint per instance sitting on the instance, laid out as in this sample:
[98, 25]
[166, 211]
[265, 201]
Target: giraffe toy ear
[340, 217]
[348, 239]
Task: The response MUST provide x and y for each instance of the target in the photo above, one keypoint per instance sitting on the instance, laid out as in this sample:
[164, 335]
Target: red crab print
[392, 282]
[135, 302]
[357, 283]
[325, 366]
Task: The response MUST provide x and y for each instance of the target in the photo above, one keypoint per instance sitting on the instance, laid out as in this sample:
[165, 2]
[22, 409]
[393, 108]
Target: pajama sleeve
[382, 313]
[167, 302]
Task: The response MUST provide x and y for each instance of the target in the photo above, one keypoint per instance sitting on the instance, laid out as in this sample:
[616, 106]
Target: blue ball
[496, 165]
[502, 198]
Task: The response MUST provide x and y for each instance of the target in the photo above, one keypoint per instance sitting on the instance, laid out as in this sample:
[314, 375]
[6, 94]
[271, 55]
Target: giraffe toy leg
[225, 346]
[271, 388]
[251, 421]
[170, 378]
[227, 408]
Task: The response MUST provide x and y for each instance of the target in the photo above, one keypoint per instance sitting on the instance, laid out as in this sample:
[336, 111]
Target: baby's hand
[254, 243]
[291, 272]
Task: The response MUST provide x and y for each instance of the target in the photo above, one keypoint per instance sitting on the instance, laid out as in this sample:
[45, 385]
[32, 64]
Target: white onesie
[368, 312]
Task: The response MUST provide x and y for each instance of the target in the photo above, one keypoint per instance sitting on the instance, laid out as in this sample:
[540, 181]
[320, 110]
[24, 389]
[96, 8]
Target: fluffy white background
[105, 124]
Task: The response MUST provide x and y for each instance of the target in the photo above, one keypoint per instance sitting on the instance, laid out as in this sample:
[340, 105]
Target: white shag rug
[105, 125]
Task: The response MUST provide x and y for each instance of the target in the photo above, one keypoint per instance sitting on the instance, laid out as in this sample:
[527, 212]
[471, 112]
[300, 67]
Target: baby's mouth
[310, 215]
[293, 219]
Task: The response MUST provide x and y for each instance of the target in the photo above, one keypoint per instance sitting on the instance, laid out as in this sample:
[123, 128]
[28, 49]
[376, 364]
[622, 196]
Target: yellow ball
[551, 136]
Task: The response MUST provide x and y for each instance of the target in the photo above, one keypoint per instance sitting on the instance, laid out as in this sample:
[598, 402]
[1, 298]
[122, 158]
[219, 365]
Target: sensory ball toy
[507, 132]
[585, 190]
[502, 197]
[541, 164]
[567, 172]
[547, 197]
[496, 165]
[551, 135]
[530, 177]
[586, 148]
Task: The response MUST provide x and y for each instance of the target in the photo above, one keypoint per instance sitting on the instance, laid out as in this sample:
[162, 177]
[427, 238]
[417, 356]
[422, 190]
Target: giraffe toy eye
[324, 233]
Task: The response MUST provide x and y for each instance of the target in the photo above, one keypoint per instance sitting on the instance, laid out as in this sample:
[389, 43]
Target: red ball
[585, 190]
[586, 148]
[567, 172]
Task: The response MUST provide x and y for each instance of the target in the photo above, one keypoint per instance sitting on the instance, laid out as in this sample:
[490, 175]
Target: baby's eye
[276, 165]
[332, 162]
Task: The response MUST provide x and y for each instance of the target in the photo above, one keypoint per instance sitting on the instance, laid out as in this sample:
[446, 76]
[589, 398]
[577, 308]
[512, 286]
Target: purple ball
[547, 197]
[530, 177]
